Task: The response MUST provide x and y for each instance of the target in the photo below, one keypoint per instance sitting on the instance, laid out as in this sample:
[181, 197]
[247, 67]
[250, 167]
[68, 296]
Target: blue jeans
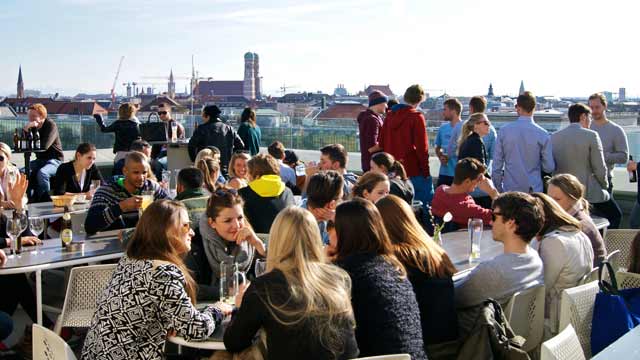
[6, 325]
[42, 171]
[423, 187]
[634, 220]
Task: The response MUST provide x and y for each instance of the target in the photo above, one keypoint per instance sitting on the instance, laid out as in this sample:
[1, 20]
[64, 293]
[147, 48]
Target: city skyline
[555, 50]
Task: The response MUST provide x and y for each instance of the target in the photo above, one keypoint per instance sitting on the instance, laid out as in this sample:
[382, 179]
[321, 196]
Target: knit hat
[377, 97]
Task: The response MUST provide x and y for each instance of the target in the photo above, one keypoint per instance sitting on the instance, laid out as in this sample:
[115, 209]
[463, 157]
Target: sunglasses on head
[162, 113]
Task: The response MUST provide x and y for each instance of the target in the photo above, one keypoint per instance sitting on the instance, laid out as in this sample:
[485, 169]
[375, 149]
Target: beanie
[377, 97]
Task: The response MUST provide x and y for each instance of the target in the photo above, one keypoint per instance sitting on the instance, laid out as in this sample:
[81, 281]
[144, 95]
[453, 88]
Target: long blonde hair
[572, 187]
[467, 127]
[320, 292]
[412, 245]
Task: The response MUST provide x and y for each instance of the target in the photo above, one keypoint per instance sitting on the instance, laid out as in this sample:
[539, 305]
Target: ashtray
[75, 246]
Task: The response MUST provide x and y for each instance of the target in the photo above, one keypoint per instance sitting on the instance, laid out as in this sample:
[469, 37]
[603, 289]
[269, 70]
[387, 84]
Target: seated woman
[211, 172]
[75, 176]
[371, 186]
[566, 255]
[225, 233]
[238, 171]
[400, 184]
[302, 303]
[385, 307]
[568, 192]
[429, 270]
[7, 171]
[212, 152]
[266, 194]
[151, 294]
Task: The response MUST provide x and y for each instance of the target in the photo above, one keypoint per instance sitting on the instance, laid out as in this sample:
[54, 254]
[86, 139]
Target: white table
[625, 347]
[50, 255]
[46, 210]
[457, 246]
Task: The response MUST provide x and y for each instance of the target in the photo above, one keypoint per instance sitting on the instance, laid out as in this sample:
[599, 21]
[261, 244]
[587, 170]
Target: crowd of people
[351, 269]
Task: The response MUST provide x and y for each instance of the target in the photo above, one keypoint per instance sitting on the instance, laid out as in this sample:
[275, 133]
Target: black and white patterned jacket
[142, 302]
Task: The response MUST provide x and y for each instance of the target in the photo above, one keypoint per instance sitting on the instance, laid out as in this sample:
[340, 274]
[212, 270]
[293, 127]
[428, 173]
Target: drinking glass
[23, 219]
[14, 231]
[230, 280]
[147, 199]
[13, 175]
[261, 267]
[166, 179]
[174, 132]
[475, 234]
[95, 184]
[37, 227]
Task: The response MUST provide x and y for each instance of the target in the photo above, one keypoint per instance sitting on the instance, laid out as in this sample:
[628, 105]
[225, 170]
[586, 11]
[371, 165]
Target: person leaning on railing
[126, 129]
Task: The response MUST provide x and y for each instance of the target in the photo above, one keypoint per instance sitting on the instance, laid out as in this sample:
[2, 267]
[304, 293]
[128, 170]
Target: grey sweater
[614, 144]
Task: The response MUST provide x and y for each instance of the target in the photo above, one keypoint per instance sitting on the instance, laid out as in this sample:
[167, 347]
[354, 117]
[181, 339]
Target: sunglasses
[162, 113]
[495, 215]
[186, 227]
[1, 158]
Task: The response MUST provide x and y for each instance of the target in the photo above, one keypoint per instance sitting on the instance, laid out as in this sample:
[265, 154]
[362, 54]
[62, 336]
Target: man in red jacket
[404, 135]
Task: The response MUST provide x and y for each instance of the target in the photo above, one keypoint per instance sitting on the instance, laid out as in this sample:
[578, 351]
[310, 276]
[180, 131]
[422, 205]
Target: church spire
[20, 92]
[521, 87]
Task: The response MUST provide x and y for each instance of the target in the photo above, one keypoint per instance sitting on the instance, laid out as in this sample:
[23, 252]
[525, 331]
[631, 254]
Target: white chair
[627, 280]
[49, 346]
[86, 284]
[525, 313]
[576, 309]
[564, 346]
[613, 258]
[387, 357]
[589, 277]
[620, 239]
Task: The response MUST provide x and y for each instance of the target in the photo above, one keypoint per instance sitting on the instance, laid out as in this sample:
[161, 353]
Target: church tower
[20, 93]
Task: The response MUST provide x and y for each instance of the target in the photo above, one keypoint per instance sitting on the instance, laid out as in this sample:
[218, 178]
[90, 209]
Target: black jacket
[218, 134]
[474, 147]
[385, 307]
[65, 179]
[127, 131]
[402, 188]
[262, 211]
[50, 141]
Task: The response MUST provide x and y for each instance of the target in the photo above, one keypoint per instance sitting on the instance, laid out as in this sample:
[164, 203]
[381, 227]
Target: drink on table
[174, 131]
[36, 140]
[475, 234]
[16, 141]
[230, 280]
[147, 199]
[66, 235]
[16, 231]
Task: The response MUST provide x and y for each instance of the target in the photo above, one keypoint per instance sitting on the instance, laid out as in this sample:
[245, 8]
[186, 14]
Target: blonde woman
[238, 170]
[302, 303]
[125, 128]
[470, 143]
[8, 176]
[568, 192]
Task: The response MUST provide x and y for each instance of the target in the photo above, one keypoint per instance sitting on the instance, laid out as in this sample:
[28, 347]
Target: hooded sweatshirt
[404, 135]
[263, 200]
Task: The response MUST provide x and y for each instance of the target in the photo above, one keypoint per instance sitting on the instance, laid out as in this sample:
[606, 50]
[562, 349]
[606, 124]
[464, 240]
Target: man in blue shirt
[451, 113]
[477, 104]
[523, 151]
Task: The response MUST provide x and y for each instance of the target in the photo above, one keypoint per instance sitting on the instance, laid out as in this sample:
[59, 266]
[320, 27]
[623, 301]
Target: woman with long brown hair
[211, 172]
[249, 131]
[385, 307]
[151, 292]
[302, 302]
[371, 186]
[566, 254]
[429, 270]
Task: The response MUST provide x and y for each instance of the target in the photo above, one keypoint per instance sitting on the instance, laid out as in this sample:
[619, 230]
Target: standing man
[616, 151]
[213, 132]
[369, 125]
[404, 135]
[523, 151]
[477, 104]
[578, 151]
[46, 163]
[451, 114]
[160, 151]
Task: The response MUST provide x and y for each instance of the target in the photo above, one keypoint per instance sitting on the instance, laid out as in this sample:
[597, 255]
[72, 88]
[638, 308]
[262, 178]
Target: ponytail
[208, 165]
[398, 170]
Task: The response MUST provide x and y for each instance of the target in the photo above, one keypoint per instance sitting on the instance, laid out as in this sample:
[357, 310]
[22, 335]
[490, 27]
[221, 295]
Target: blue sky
[569, 48]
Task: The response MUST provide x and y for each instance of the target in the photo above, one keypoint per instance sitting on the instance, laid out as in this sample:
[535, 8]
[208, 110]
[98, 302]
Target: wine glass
[23, 219]
[166, 179]
[261, 267]
[13, 230]
[95, 184]
[37, 227]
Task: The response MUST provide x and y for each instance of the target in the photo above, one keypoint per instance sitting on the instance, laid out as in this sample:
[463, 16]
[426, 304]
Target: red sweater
[404, 135]
[461, 206]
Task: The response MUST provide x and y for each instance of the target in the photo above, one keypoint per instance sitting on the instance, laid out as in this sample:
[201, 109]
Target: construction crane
[284, 88]
[112, 106]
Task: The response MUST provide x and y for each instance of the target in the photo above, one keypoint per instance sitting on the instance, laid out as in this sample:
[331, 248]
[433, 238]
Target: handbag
[153, 131]
[615, 311]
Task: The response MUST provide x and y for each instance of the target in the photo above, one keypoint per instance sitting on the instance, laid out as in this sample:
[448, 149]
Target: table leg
[39, 295]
